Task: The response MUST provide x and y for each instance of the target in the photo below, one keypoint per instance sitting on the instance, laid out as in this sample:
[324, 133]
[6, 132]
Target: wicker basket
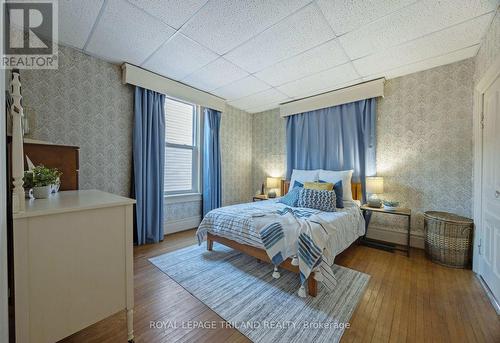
[448, 239]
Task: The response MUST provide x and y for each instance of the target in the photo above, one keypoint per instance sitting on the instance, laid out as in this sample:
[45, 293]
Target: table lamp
[272, 184]
[374, 186]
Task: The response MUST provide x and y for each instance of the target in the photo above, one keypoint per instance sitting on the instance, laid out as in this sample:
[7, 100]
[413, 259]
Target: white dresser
[73, 263]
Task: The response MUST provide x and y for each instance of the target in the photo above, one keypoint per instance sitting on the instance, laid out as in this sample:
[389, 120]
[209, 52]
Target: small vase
[28, 193]
[55, 187]
[42, 192]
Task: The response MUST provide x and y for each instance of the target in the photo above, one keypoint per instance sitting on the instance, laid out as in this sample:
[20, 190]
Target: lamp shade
[375, 185]
[273, 182]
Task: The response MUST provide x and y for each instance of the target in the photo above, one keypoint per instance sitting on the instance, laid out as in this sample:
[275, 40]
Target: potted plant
[57, 176]
[28, 183]
[43, 181]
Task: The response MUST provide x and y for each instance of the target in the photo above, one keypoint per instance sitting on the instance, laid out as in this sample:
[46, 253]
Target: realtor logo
[29, 34]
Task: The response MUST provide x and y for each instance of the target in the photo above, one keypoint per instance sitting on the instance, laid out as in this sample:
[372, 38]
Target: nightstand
[260, 197]
[367, 212]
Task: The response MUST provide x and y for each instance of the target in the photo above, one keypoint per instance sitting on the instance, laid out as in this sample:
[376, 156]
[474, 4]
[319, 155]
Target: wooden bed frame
[261, 255]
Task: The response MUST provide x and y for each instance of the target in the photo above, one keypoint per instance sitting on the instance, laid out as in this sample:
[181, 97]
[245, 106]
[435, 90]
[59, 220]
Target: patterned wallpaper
[182, 210]
[424, 142]
[268, 147]
[424, 147]
[424, 127]
[236, 151]
[236, 147]
[84, 103]
[490, 48]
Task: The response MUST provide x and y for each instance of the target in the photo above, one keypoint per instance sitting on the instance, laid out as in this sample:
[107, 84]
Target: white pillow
[303, 176]
[332, 176]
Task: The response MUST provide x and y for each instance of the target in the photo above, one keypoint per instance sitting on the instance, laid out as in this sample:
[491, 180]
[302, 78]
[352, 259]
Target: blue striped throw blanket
[309, 236]
[280, 230]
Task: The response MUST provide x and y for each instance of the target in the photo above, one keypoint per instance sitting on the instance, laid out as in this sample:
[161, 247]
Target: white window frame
[194, 192]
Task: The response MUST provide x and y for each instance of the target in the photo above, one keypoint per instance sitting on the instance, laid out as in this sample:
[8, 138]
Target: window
[181, 147]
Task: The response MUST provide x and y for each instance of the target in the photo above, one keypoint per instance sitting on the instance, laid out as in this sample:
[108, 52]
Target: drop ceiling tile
[345, 16]
[312, 61]
[125, 33]
[215, 75]
[241, 88]
[224, 24]
[411, 22]
[179, 57]
[433, 62]
[439, 43]
[320, 82]
[270, 96]
[76, 19]
[301, 31]
[172, 12]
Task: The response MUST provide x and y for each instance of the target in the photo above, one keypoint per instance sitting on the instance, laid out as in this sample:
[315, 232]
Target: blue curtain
[212, 186]
[149, 164]
[334, 138]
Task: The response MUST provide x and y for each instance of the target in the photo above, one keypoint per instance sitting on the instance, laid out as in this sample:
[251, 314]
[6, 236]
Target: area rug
[244, 293]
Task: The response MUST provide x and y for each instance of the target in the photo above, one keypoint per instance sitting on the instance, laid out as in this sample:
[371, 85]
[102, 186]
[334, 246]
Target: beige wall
[424, 151]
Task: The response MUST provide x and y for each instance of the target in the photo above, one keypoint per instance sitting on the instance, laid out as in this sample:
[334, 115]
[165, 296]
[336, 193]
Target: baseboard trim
[489, 294]
[416, 241]
[181, 224]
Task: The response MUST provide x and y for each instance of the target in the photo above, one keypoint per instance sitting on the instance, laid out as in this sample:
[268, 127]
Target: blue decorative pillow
[319, 200]
[339, 193]
[297, 184]
[291, 198]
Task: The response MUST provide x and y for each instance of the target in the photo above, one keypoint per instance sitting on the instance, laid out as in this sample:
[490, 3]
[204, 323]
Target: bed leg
[210, 244]
[312, 285]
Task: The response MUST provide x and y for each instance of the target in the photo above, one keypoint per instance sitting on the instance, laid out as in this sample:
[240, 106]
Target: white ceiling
[259, 53]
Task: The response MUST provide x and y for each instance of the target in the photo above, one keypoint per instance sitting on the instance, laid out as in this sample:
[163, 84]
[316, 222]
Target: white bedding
[241, 222]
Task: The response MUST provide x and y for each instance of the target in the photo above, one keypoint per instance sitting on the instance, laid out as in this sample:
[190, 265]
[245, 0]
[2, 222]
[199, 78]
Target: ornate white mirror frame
[17, 114]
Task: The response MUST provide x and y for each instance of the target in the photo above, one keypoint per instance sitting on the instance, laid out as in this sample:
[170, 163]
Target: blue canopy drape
[212, 174]
[149, 163]
[335, 138]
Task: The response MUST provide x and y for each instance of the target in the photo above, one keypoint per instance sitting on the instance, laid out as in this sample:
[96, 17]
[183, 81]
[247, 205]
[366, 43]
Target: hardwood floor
[407, 300]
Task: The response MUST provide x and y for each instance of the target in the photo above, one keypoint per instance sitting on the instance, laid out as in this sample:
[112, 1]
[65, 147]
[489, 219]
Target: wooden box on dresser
[73, 263]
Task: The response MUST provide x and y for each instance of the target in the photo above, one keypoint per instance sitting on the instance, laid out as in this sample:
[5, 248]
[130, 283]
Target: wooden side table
[367, 212]
[260, 197]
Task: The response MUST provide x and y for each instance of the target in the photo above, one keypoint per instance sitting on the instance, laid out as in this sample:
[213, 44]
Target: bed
[241, 226]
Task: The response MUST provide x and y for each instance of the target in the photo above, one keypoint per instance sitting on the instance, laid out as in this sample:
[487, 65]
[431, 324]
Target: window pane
[179, 122]
[178, 169]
